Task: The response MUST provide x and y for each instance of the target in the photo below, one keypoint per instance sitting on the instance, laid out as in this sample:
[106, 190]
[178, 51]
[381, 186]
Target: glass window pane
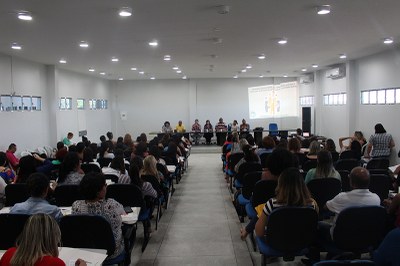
[397, 95]
[68, 103]
[326, 99]
[372, 97]
[17, 103]
[365, 97]
[62, 103]
[340, 100]
[390, 96]
[36, 103]
[6, 103]
[335, 99]
[381, 97]
[80, 103]
[344, 98]
[330, 99]
[26, 103]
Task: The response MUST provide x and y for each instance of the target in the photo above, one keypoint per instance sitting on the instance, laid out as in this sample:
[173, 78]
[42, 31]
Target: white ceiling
[185, 29]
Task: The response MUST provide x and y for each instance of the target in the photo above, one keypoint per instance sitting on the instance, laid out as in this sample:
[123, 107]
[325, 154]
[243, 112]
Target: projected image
[273, 100]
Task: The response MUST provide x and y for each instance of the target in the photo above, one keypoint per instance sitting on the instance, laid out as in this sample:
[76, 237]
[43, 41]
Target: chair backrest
[324, 189]
[346, 164]
[163, 170]
[347, 155]
[249, 181]
[126, 194]
[87, 231]
[104, 162]
[90, 168]
[16, 193]
[234, 159]
[335, 156]
[378, 164]
[154, 183]
[309, 164]
[12, 226]
[291, 229]
[263, 158]
[380, 184]
[273, 129]
[65, 195]
[113, 178]
[301, 159]
[344, 175]
[263, 191]
[358, 229]
[247, 167]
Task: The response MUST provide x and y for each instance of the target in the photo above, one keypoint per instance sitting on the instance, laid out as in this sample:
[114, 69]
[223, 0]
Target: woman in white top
[117, 168]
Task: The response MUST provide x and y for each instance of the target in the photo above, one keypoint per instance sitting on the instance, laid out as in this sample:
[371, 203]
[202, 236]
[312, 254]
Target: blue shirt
[37, 205]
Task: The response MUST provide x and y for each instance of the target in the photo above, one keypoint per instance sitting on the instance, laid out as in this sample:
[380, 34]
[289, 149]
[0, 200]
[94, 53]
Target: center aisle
[200, 226]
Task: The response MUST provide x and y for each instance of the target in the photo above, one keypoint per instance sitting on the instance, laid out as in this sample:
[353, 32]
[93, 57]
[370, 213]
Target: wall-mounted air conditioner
[307, 79]
[336, 73]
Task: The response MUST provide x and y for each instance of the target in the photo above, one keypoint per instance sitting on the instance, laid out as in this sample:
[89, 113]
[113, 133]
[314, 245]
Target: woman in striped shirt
[291, 191]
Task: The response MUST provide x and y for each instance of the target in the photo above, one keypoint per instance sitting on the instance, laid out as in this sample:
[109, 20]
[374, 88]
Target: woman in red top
[37, 245]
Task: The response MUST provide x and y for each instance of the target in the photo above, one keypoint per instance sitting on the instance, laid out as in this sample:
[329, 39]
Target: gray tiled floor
[200, 227]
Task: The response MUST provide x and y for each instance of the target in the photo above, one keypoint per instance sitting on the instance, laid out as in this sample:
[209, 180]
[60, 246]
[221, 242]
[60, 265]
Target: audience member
[27, 166]
[88, 157]
[314, 148]
[6, 173]
[331, 147]
[249, 156]
[37, 245]
[146, 187]
[380, 143]
[388, 251]
[38, 187]
[93, 188]
[60, 145]
[67, 140]
[12, 159]
[120, 144]
[324, 168]
[128, 140]
[267, 146]
[70, 171]
[283, 144]
[358, 136]
[80, 148]
[117, 168]
[106, 150]
[110, 137]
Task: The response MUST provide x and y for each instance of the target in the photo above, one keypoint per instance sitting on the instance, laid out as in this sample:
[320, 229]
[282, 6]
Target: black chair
[302, 158]
[104, 162]
[322, 190]
[249, 181]
[346, 164]
[111, 177]
[16, 193]
[132, 196]
[233, 160]
[264, 157]
[290, 232]
[12, 226]
[90, 168]
[357, 230]
[378, 164]
[380, 184]
[65, 195]
[344, 175]
[87, 231]
[309, 164]
[349, 154]
[263, 191]
[245, 168]
[335, 156]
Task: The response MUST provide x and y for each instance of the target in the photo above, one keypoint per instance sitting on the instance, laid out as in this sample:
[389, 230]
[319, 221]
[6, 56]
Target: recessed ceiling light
[235, 76]
[120, 78]
[153, 43]
[314, 65]
[388, 40]
[153, 78]
[16, 46]
[114, 59]
[102, 73]
[244, 70]
[282, 41]
[133, 68]
[261, 56]
[179, 71]
[141, 72]
[260, 76]
[304, 69]
[184, 77]
[25, 15]
[62, 61]
[167, 57]
[342, 56]
[323, 10]
[91, 69]
[84, 44]
[125, 12]
[175, 68]
[249, 66]
[285, 76]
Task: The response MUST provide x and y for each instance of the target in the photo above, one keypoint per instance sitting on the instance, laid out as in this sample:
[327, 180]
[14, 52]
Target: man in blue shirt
[38, 186]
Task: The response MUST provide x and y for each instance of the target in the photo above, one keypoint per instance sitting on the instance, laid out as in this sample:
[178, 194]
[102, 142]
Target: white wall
[151, 102]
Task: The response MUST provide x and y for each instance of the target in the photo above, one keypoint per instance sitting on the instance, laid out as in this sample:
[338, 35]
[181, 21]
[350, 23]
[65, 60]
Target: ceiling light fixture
[141, 72]
[388, 40]
[179, 71]
[25, 15]
[260, 76]
[84, 44]
[167, 57]
[91, 69]
[282, 41]
[184, 77]
[125, 12]
[153, 43]
[243, 70]
[120, 78]
[235, 76]
[152, 78]
[261, 56]
[249, 66]
[62, 61]
[285, 76]
[314, 65]
[114, 59]
[323, 10]
[304, 69]
[133, 68]
[102, 73]
[342, 56]
[175, 68]
[16, 46]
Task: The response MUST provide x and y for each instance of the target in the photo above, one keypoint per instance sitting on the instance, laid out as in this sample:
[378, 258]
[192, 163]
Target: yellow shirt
[180, 128]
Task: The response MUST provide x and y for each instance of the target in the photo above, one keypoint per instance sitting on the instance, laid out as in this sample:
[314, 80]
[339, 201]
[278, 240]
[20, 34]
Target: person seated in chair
[67, 140]
[208, 132]
[6, 173]
[117, 168]
[93, 188]
[180, 128]
[196, 131]
[12, 159]
[324, 168]
[166, 128]
[38, 187]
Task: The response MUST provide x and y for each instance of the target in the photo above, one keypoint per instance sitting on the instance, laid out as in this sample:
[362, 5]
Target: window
[381, 96]
[65, 103]
[372, 97]
[6, 103]
[335, 99]
[304, 100]
[390, 96]
[36, 103]
[365, 97]
[80, 103]
[17, 103]
[26, 103]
